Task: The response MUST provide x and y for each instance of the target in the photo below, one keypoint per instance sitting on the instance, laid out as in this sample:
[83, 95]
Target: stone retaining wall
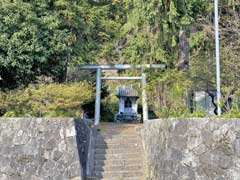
[43, 149]
[192, 149]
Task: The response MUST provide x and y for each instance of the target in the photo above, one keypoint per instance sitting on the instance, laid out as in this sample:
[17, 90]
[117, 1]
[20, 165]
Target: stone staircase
[119, 153]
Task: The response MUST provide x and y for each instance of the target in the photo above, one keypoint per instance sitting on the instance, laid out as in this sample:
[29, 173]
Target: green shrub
[46, 100]
[109, 108]
[175, 86]
[199, 113]
[233, 113]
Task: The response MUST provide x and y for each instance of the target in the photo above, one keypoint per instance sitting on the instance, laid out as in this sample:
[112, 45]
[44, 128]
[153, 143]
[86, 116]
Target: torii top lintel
[122, 66]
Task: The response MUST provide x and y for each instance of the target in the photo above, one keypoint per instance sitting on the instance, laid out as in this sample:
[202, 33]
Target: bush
[109, 108]
[51, 100]
[169, 92]
[233, 113]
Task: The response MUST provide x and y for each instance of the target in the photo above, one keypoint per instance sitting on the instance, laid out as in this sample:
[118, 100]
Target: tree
[30, 45]
[44, 38]
[151, 35]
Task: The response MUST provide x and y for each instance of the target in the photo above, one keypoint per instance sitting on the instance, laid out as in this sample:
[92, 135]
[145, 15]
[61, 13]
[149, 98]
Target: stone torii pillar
[98, 96]
[144, 97]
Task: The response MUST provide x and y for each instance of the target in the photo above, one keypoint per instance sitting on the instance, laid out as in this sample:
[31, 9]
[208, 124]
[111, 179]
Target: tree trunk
[183, 53]
[183, 61]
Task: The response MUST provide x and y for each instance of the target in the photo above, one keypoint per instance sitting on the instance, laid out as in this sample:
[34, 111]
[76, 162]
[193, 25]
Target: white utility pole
[217, 57]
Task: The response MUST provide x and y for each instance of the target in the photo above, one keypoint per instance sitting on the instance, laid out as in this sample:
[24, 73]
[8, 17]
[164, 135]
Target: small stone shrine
[128, 106]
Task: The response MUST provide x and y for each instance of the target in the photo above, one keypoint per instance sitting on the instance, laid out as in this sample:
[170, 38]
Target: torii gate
[99, 79]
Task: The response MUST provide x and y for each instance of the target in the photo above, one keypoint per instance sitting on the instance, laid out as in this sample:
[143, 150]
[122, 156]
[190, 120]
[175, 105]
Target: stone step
[136, 167]
[118, 162]
[115, 134]
[117, 130]
[99, 135]
[119, 126]
[118, 151]
[119, 174]
[118, 145]
[129, 178]
[118, 138]
[124, 178]
[122, 142]
[109, 127]
[117, 156]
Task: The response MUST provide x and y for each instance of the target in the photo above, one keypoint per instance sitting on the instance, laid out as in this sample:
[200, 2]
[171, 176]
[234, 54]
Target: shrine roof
[126, 91]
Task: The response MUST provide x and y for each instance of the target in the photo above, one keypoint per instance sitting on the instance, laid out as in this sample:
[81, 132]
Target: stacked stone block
[42, 149]
[193, 149]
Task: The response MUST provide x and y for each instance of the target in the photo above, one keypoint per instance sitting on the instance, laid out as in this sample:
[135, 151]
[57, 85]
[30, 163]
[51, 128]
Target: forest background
[43, 42]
